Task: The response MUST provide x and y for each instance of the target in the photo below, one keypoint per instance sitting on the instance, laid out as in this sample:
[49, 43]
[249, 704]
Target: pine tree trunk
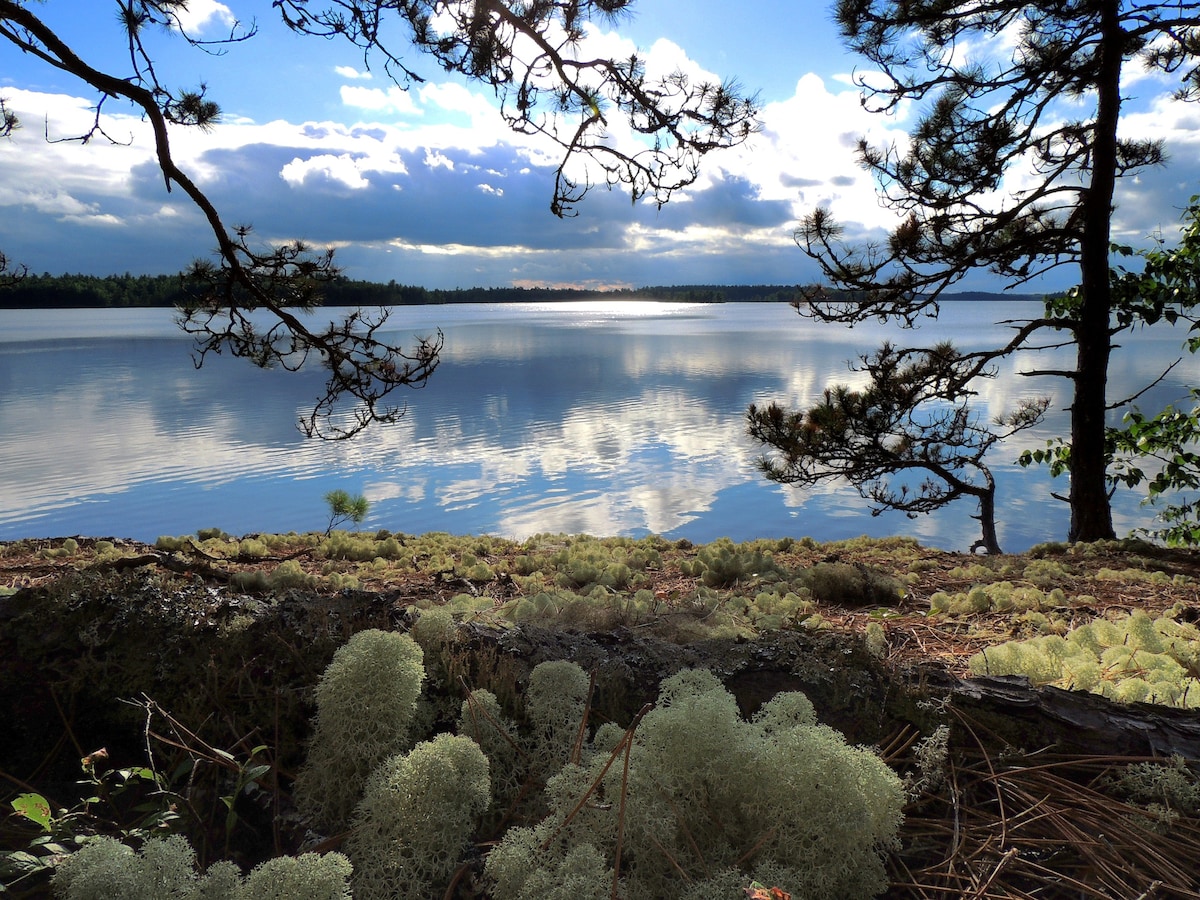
[987, 520]
[1091, 515]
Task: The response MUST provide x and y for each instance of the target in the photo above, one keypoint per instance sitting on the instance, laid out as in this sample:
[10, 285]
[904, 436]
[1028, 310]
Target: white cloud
[731, 226]
[103, 220]
[61, 178]
[452, 97]
[435, 159]
[393, 100]
[805, 153]
[352, 73]
[342, 169]
[52, 203]
[200, 14]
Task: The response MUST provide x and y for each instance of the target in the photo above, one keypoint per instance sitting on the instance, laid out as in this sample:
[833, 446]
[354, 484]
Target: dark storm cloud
[494, 198]
[731, 202]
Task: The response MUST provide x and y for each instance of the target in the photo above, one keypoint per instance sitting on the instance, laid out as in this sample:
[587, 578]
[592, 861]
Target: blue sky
[429, 187]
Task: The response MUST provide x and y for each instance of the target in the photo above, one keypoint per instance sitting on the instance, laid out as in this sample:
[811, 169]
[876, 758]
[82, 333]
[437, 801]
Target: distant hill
[112, 291]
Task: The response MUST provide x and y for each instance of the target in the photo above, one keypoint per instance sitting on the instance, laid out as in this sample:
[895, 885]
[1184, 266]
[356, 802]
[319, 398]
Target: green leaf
[255, 772]
[140, 773]
[18, 863]
[34, 807]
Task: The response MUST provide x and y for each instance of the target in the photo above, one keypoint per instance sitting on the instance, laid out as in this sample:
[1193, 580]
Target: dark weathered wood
[1076, 722]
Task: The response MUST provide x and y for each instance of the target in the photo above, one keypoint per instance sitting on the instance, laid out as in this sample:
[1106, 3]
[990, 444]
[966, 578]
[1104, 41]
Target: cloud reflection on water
[571, 418]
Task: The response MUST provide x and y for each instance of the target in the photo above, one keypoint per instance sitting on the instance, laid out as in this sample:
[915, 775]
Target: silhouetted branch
[254, 303]
[911, 419]
[529, 54]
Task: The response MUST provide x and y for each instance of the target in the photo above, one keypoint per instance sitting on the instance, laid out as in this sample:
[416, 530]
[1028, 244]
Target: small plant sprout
[345, 508]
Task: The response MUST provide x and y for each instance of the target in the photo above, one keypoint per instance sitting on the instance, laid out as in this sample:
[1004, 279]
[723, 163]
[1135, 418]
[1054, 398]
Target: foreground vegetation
[217, 646]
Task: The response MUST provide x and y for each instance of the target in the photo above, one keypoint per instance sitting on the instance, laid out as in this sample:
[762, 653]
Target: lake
[608, 418]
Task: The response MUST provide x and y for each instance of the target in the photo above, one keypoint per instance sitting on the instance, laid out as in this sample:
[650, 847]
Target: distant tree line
[48, 291]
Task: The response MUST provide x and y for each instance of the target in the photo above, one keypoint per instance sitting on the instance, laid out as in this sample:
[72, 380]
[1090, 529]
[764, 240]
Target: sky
[429, 187]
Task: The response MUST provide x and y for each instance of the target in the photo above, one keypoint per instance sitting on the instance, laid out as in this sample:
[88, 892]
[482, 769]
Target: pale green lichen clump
[1168, 789]
[1131, 659]
[708, 792]
[481, 719]
[365, 705]
[417, 814]
[165, 869]
[554, 703]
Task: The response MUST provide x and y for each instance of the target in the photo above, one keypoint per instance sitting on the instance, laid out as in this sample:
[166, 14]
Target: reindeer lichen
[706, 793]
[418, 811]
[1131, 659]
[365, 705]
[165, 869]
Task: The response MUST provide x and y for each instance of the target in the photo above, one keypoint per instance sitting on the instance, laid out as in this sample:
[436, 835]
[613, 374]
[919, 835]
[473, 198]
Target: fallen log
[1077, 722]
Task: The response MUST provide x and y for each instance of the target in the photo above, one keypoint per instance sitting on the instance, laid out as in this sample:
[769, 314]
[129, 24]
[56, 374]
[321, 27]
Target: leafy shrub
[360, 548]
[469, 603]
[586, 561]
[342, 582]
[1046, 572]
[975, 572]
[889, 546]
[482, 720]
[1168, 787]
[310, 875]
[526, 565]
[69, 547]
[998, 596]
[1141, 576]
[254, 581]
[169, 544]
[106, 869]
[252, 548]
[288, 574]
[773, 608]
[433, 629]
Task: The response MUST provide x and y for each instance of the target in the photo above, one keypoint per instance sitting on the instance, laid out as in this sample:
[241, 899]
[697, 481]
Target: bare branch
[911, 420]
[528, 53]
[254, 301]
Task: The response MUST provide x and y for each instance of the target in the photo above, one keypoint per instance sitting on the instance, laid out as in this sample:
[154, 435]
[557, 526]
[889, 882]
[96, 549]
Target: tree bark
[1076, 722]
[987, 521]
[1091, 514]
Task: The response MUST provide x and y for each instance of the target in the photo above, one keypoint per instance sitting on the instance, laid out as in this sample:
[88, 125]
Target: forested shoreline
[78, 291]
[48, 291]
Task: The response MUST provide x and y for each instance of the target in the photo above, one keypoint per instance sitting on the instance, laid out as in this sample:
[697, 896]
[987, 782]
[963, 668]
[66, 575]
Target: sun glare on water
[608, 310]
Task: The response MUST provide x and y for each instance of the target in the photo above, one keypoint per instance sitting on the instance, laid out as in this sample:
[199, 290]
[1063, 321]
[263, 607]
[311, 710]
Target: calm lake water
[604, 418]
